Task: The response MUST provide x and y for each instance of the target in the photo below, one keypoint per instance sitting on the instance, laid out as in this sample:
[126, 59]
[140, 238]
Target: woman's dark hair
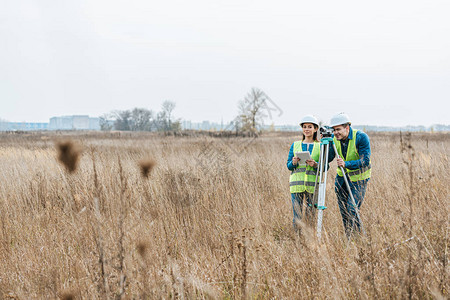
[315, 133]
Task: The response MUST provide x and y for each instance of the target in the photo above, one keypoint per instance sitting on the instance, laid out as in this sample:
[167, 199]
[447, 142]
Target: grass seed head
[142, 248]
[67, 296]
[146, 167]
[69, 155]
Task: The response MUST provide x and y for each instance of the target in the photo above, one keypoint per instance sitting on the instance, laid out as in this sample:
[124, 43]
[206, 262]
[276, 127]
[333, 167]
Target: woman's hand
[311, 163]
[295, 160]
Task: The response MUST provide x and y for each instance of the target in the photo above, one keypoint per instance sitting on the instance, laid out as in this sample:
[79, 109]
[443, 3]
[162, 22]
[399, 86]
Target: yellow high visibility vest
[352, 154]
[303, 178]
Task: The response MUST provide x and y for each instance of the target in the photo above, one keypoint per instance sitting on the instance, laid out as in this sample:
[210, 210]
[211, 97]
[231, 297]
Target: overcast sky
[383, 62]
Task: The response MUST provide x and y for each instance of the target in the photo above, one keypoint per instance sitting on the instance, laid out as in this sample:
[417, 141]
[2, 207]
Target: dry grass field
[152, 217]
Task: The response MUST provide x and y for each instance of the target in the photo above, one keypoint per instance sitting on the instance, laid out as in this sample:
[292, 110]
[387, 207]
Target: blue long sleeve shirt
[362, 144]
[305, 147]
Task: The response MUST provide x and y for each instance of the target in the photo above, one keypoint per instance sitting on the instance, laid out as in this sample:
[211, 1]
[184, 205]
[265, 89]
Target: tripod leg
[355, 207]
[320, 207]
[322, 188]
[318, 174]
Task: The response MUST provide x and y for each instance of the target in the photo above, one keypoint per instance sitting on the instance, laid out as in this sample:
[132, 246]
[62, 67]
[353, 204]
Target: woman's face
[308, 129]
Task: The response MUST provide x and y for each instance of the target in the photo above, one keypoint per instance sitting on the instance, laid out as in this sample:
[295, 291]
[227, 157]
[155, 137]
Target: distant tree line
[142, 119]
[253, 109]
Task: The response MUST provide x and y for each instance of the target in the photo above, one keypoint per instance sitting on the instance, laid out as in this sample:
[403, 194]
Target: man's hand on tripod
[340, 162]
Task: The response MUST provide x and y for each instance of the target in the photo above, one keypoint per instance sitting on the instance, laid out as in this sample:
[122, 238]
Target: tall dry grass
[162, 217]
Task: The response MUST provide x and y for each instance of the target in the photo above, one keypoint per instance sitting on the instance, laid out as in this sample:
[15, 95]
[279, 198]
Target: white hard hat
[340, 119]
[309, 119]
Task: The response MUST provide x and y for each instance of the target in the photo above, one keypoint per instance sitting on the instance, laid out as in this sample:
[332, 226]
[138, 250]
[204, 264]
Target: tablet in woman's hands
[303, 157]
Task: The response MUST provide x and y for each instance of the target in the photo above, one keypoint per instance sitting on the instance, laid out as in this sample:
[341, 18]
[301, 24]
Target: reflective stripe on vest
[359, 171]
[307, 183]
[303, 169]
[303, 178]
[352, 154]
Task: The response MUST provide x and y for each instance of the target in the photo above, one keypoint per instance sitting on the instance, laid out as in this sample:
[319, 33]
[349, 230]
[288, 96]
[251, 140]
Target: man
[353, 147]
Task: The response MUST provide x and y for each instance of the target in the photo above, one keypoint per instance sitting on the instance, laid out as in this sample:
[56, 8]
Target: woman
[303, 177]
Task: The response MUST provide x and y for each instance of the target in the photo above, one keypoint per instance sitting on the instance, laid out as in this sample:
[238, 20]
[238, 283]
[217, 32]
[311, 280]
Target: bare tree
[164, 119]
[141, 119]
[123, 120]
[167, 108]
[251, 111]
[106, 123]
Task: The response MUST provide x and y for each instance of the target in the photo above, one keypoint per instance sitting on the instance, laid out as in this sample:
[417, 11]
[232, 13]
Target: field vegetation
[143, 216]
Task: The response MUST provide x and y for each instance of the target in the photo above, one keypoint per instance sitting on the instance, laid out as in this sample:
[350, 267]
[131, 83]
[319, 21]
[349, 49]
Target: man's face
[341, 131]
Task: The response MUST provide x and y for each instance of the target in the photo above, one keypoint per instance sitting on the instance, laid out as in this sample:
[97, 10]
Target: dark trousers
[297, 206]
[348, 213]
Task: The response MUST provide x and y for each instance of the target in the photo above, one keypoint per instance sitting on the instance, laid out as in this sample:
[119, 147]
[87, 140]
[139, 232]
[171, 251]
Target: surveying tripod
[321, 181]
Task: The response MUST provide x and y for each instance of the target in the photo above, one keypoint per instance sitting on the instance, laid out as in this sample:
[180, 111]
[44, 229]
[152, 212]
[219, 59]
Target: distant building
[205, 125]
[76, 122]
[62, 123]
[283, 128]
[94, 123]
[23, 126]
[80, 122]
